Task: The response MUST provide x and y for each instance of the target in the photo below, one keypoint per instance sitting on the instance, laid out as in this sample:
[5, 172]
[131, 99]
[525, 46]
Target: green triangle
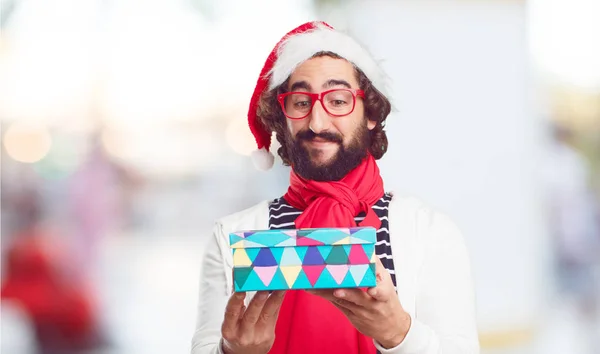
[326, 281]
[277, 252]
[302, 281]
[347, 249]
[337, 256]
[278, 282]
[252, 252]
[368, 279]
[301, 250]
[240, 275]
[253, 283]
[324, 250]
[348, 281]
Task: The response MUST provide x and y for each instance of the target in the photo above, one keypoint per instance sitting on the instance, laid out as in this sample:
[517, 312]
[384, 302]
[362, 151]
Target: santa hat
[297, 46]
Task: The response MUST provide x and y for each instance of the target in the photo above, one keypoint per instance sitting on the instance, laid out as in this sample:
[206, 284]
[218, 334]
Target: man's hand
[251, 330]
[376, 313]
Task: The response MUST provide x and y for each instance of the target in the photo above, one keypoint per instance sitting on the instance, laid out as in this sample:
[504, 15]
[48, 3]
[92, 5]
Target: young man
[323, 95]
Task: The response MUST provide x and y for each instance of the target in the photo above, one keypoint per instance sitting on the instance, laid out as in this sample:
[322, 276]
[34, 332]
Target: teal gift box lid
[293, 259]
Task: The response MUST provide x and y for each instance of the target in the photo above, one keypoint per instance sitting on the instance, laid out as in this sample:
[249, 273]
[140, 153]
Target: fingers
[233, 311]
[385, 287]
[271, 309]
[355, 296]
[254, 310]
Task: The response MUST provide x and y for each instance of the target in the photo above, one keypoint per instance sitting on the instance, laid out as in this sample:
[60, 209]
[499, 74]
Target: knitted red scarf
[307, 323]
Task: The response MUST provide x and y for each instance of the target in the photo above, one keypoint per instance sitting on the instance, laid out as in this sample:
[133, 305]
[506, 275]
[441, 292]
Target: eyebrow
[330, 83]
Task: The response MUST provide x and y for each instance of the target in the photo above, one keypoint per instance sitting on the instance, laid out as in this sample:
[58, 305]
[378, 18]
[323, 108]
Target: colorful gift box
[303, 258]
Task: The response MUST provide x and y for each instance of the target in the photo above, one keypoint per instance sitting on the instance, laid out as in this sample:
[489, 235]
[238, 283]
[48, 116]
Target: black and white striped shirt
[282, 216]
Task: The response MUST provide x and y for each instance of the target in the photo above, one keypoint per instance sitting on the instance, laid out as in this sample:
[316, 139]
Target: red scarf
[307, 323]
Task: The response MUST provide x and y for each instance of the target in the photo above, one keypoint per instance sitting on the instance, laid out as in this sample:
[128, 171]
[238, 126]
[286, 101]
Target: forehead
[317, 71]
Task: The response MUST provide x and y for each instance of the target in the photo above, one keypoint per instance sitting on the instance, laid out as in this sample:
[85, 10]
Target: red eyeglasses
[336, 102]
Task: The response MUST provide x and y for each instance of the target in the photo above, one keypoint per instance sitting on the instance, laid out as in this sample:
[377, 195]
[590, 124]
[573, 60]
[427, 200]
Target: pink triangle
[290, 233]
[338, 271]
[306, 241]
[357, 255]
[266, 273]
[313, 272]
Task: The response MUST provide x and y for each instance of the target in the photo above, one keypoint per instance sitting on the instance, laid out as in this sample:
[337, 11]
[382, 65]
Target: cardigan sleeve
[214, 294]
[444, 320]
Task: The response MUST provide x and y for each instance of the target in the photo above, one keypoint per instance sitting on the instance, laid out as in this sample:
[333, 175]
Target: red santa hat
[297, 46]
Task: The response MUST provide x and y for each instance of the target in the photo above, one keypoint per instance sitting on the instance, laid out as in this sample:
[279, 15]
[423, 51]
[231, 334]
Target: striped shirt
[282, 216]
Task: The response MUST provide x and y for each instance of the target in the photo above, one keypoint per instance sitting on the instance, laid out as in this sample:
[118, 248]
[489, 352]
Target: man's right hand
[251, 330]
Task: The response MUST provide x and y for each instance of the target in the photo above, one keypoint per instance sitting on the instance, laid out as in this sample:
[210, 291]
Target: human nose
[319, 118]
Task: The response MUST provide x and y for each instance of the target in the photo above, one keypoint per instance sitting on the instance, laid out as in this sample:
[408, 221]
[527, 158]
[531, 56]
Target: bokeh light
[26, 142]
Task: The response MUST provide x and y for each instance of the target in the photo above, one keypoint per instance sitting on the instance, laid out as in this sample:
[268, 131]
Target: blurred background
[124, 137]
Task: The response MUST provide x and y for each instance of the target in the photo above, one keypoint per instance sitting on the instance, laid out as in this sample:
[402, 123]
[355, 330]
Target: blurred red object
[60, 306]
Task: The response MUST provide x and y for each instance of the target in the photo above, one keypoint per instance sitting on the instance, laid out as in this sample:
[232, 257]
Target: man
[323, 95]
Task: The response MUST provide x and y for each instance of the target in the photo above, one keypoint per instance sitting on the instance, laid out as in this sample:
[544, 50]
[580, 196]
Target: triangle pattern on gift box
[307, 241]
[287, 242]
[302, 281]
[325, 250]
[267, 238]
[328, 236]
[313, 256]
[369, 277]
[337, 256]
[301, 252]
[265, 274]
[240, 258]
[290, 233]
[277, 253]
[313, 272]
[356, 240]
[252, 253]
[278, 282]
[348, 281]
[290, 273]
[358, 256]
[344, 241]
[264, 258]
[235, 240]
[240, 274]
[250, 244]
[365, 234]
[253, 282]
[290, 258]
[369, 249]
[347, 248]
[338, 272]
[325, 280]
[358, 272]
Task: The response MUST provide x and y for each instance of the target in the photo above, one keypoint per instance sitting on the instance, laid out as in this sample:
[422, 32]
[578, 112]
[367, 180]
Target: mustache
[309, 135]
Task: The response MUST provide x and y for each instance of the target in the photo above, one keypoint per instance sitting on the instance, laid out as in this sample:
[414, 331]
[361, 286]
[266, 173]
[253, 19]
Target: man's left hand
[376, 313]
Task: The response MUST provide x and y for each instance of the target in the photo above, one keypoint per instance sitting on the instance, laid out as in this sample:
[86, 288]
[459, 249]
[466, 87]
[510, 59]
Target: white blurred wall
[465, 137]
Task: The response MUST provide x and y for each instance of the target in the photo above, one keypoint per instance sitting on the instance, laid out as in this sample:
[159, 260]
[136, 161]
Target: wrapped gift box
[303, 258]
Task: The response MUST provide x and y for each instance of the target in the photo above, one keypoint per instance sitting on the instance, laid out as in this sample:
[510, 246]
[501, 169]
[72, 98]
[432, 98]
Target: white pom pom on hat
[297, 46]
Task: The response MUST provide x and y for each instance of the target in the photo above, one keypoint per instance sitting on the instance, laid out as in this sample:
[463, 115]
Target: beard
[345, 160]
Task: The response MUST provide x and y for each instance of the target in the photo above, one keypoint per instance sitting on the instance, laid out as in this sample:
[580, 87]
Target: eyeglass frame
[319, 97]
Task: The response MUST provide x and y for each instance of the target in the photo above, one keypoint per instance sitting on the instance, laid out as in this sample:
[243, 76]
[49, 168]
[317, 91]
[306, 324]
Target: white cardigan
[432, 274]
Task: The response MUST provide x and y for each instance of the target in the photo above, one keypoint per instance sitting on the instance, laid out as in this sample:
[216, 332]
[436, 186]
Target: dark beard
[345, 160]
